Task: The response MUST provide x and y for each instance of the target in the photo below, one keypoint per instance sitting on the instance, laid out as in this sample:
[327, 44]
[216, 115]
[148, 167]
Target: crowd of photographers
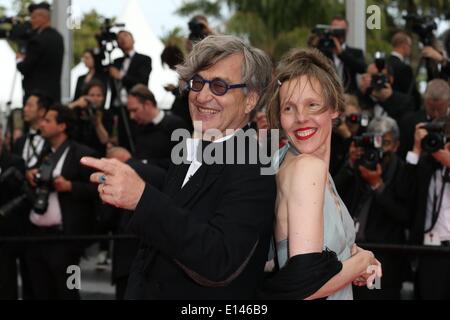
[390, 153]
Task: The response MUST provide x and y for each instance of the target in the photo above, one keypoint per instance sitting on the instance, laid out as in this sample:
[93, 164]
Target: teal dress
[339, 231]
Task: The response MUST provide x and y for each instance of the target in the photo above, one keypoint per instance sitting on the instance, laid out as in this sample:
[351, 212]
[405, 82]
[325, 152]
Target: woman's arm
[102, 133]
[305, 189]
[352, 269]
[305, 197]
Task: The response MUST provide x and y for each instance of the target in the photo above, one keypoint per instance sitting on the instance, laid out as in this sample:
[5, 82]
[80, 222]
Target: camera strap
[54, 157]
[438, 199]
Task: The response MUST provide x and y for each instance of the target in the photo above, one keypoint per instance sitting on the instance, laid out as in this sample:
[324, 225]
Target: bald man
[41, 63]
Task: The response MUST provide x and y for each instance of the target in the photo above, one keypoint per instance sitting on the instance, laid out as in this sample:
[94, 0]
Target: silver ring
[102, 179]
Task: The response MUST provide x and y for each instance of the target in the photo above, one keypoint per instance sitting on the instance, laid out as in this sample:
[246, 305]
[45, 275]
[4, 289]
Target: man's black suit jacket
[407, 130]
[42, 66]
[404, 80]
[138, 72]
[19, 145]
[208, 240]
[354, 63]
[419, 181]
[78, 206]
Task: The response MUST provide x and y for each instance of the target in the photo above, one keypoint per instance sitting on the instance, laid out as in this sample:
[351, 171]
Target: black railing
[398, 249]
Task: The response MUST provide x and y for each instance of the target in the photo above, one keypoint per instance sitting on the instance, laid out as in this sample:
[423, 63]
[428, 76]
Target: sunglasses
[217, 86]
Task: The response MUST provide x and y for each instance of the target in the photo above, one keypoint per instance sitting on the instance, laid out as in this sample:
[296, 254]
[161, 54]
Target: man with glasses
[207, 235]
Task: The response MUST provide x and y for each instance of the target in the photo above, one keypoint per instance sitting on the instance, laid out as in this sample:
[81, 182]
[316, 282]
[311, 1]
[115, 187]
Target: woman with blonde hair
[314, 233]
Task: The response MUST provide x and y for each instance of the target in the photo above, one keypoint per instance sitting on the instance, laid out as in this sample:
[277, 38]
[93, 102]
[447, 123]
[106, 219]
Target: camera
[19, 32]
[424, 27]
[436, 138]
[361, 119]
[356, 118]
[106, 38]
[87, 113]
[44, 185]
[325, 34]
[379, 80]
[198, 30]
[13, 179]
[372, 146]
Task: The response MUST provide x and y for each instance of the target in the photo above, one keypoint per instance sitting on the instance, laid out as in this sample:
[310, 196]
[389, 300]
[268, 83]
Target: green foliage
[278, 25]
[21, 6]
[84, 37]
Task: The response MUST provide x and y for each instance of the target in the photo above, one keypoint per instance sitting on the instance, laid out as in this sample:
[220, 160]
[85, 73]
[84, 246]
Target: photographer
[10, 225]
[199, 30]
[437, 103]
[41, 65]
[429, 165]
[440, 57]
[94, 124]
[379, 97]
[134, 68]
[32, 145]
[374, 191]
[348, 61]
[350, 124]
[64, 206]
[404, 77]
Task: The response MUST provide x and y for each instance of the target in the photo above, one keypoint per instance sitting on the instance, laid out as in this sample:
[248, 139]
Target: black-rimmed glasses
[217, 86]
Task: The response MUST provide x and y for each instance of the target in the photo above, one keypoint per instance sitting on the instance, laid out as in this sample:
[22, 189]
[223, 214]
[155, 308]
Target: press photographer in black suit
[404, 77]
[440, 57]
[132, 69]
[70, 210]
[31, 146]
[41, 64]
[436, 105]
[383, 100]
[348, 61]
[376, 198]
[429, 167]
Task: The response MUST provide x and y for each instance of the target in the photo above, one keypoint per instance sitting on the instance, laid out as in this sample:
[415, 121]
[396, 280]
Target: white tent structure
[146, 43]
[10, 80]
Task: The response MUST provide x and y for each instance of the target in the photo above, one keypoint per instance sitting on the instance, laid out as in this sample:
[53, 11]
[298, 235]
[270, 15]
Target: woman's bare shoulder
[305, 165]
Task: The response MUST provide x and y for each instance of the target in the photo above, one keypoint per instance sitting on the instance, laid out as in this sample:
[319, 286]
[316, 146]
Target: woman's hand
[373, 270]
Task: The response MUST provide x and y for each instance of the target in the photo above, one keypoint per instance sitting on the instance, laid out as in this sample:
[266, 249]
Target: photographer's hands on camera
[442, 156]
[60, 184]
[373, 178]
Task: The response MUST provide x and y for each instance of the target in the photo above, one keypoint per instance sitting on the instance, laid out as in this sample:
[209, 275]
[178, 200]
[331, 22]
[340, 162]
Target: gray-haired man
[207, 235]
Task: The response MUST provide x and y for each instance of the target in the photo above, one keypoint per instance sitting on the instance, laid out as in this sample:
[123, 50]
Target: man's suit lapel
[175, 179]
[200, 182]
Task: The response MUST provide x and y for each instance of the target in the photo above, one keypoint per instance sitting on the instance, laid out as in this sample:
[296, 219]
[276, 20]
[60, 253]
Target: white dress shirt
[123, 71]
[398, 55]
[441, 230]
[159, 118]
[339, 63]
[32, 148]
[192, 147]
[53, 216]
